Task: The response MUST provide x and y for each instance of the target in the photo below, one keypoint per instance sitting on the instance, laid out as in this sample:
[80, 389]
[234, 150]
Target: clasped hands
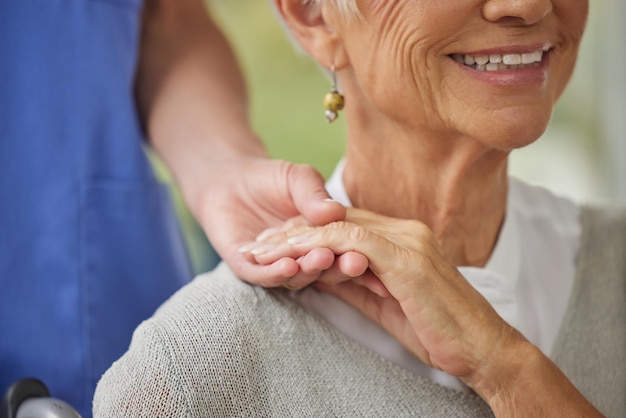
[395, 272]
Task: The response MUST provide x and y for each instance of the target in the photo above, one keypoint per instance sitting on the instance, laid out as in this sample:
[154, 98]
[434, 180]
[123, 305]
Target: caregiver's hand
[250, 195]
[433, 311]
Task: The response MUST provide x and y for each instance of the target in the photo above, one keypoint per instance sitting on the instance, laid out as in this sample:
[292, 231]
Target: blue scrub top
[89, 244]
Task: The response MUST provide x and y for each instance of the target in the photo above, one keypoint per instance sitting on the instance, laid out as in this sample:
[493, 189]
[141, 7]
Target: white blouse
[528, 279]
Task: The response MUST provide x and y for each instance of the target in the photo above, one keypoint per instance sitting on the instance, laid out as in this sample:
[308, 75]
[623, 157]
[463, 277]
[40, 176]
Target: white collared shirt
[528, 278]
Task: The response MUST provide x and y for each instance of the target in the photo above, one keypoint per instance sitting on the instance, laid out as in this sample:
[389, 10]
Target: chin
[507, 137]
[513, 132]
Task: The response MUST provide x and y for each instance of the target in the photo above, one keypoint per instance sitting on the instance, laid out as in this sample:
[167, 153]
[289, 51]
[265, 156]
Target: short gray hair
[348, 8]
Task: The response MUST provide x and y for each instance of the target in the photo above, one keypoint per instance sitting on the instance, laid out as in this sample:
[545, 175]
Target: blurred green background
[286, 87]
[286, 90]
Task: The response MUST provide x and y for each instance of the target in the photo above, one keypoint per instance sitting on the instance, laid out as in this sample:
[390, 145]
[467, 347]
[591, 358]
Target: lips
[501, 62]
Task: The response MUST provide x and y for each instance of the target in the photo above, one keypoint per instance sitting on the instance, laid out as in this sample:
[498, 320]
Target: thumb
[306, 186]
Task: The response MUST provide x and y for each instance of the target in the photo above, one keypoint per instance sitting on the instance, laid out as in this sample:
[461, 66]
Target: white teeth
[492, 66]
[495, 62]
[532, 57]
[481, 59]
[512, 59]
[528, 58]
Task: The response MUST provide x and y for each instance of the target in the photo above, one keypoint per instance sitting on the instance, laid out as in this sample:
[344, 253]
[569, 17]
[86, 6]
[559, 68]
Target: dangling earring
[333, 101]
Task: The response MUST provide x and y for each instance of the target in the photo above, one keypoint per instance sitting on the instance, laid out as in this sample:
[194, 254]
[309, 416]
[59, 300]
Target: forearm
[191, 94]
[526, 383]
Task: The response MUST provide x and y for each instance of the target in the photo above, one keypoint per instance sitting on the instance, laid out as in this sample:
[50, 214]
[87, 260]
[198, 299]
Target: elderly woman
[473, 295]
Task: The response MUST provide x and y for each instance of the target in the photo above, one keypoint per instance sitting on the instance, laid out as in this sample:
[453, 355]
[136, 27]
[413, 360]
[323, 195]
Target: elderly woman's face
[488, 69]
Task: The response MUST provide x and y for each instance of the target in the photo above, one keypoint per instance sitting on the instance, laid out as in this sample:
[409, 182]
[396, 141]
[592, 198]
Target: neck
[455, 186]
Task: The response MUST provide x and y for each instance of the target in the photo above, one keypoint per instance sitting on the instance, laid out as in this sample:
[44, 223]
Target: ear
[312, 26]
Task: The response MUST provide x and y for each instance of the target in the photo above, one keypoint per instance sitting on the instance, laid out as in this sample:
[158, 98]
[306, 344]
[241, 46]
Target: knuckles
[358, 233]
[417, 228]
[354, 232]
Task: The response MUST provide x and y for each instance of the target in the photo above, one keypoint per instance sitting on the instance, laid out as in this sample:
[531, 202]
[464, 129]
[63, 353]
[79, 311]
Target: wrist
[511, 358]
[203, 182]
[198, 160]
[524, 382]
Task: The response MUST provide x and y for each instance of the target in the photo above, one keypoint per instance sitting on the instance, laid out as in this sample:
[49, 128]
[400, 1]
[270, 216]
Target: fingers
[350, 242]
[348, 265]
[403, 266]
[371, 241]
[376, 308]
[316, 264]
[365, 280]
[272, 244]
[291, 273]
[275, 234]
[306, 187]
[312, 265]
[373, 283]
[340, 237]
[320, 264]
[316, 261]
[270, 275]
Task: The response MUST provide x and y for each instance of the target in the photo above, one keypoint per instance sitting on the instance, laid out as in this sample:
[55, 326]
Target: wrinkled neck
[455, 186]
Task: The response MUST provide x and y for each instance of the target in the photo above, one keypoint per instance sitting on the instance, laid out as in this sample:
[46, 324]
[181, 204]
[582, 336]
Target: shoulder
[605, 216]
[604, 227]
[213, 295]
[191, 344]
[593, 335]
[216, 310]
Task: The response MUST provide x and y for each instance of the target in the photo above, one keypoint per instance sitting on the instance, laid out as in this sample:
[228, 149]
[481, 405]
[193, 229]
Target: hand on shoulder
[254, 194]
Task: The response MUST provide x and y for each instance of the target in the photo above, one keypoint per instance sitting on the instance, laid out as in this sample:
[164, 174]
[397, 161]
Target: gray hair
[348, 8]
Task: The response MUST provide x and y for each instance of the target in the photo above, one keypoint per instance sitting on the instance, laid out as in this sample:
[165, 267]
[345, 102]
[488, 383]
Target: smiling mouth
[500, 62]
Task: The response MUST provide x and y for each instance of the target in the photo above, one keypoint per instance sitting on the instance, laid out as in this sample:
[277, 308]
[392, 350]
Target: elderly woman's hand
[319, 265]
[433, 310]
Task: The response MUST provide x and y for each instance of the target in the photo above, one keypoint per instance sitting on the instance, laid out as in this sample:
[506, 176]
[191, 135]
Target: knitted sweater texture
[222, 348]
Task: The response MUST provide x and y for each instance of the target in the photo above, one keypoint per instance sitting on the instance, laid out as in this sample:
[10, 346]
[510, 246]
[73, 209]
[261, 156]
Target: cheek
[572, 14]
[562, 73]
[573, 21]
[400, 76]
[399, 66]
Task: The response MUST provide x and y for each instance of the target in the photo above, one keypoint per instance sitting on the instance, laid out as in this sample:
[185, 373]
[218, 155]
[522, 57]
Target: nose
[526, 12]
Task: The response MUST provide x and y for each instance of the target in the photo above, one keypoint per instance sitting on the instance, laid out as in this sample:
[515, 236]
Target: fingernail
[299, 239]
[329, 200]
[266, 234]
[261, 249]
[247, 247]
